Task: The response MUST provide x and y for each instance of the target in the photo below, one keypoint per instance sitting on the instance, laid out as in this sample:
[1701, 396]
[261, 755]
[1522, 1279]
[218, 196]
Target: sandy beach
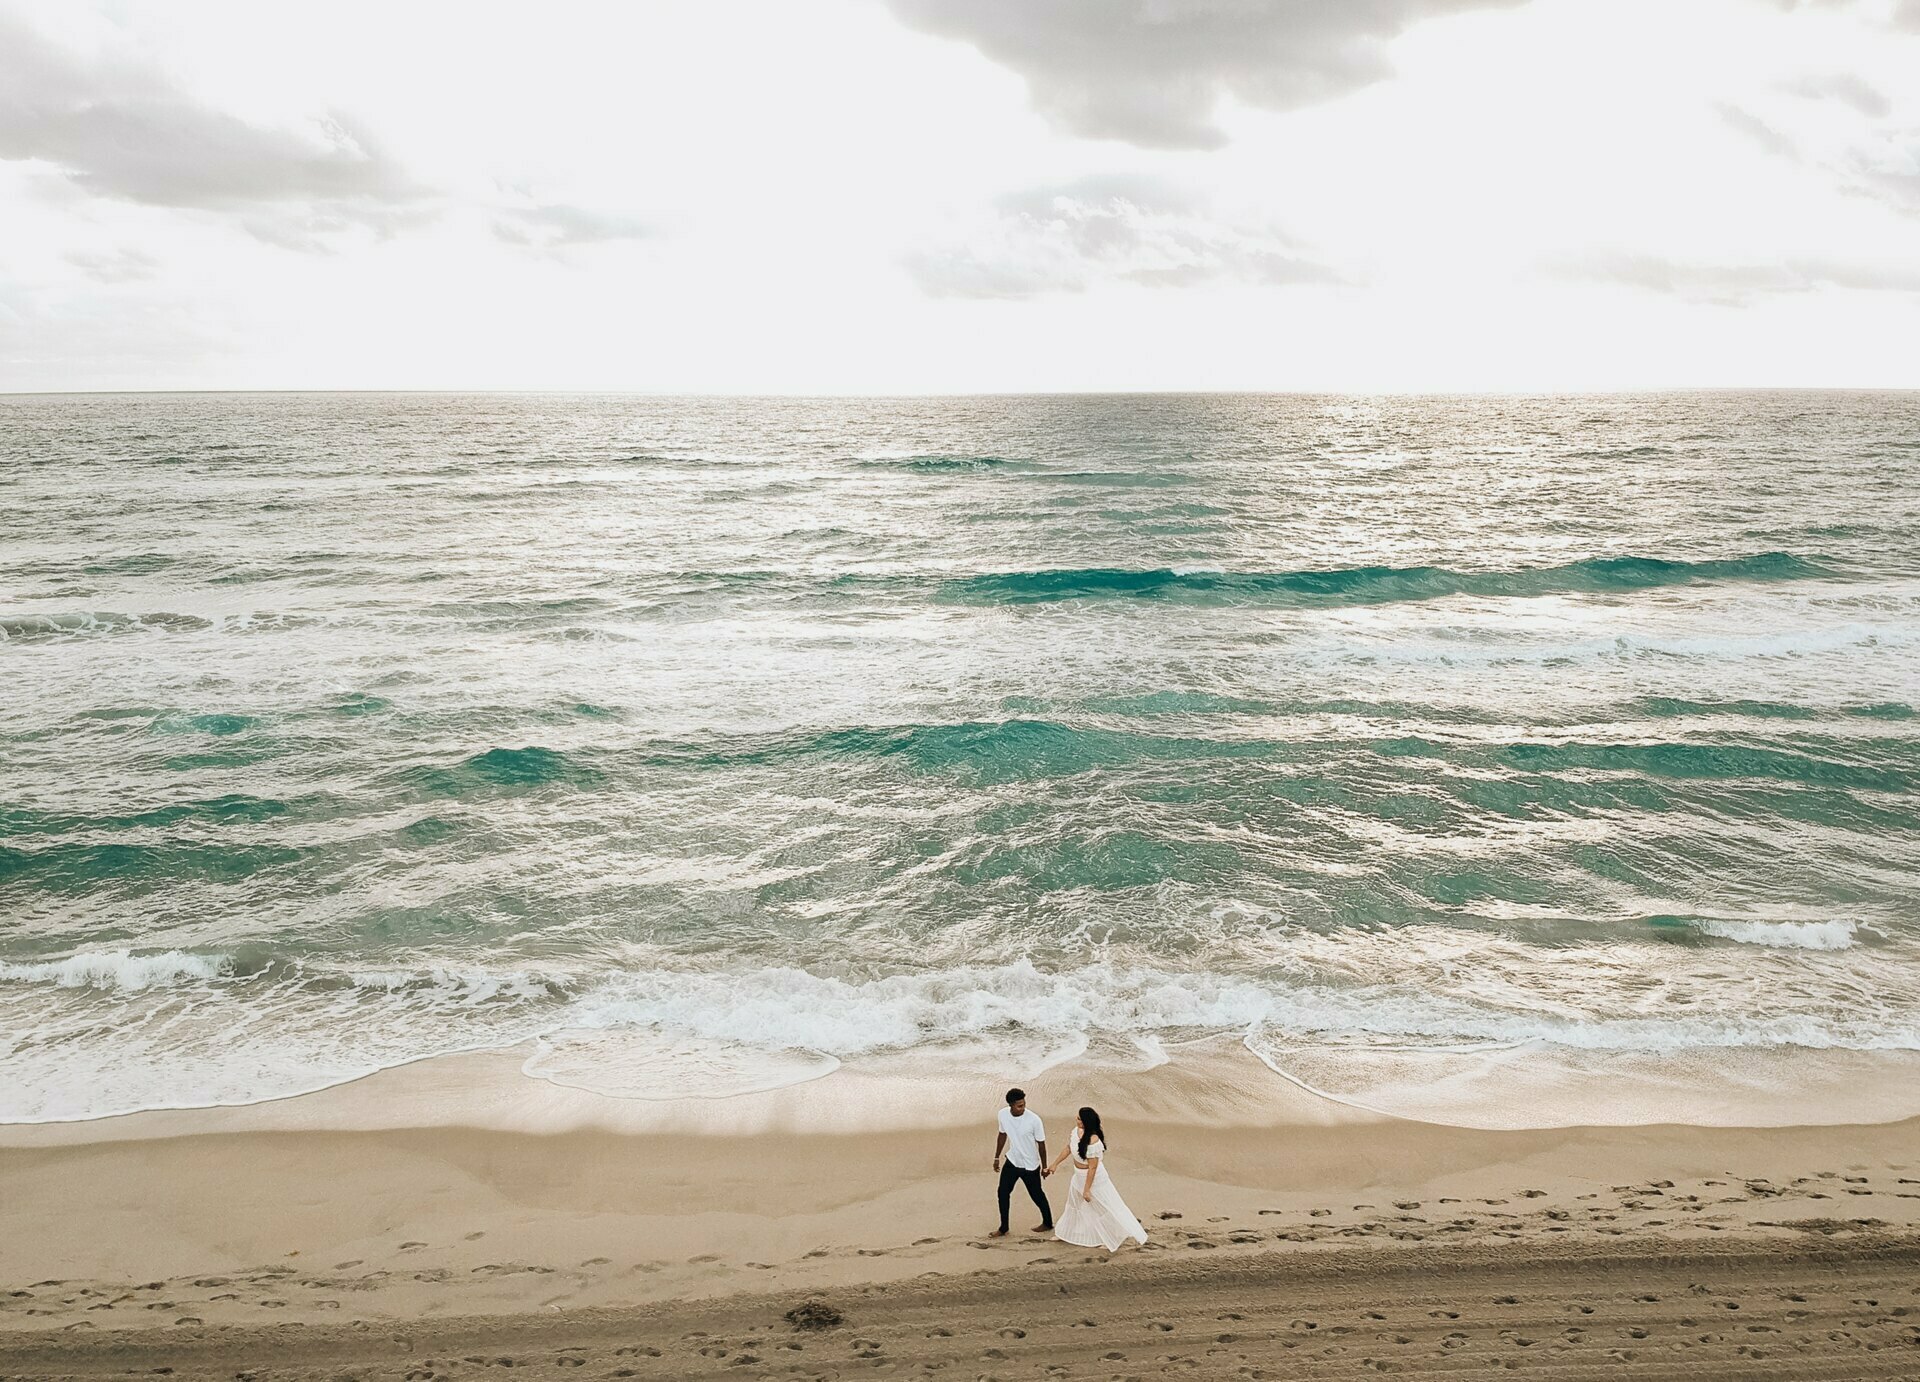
[443, 1219]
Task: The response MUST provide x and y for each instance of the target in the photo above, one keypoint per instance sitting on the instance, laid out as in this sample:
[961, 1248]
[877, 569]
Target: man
[1022, 1145]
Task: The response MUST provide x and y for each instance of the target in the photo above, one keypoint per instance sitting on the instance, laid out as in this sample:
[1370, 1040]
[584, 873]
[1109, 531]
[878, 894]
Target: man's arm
[1041, 1143]
[999, 1146]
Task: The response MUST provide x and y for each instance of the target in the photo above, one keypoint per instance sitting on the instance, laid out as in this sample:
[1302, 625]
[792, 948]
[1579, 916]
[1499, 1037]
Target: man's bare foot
[998, 1233]
[1043, 1228]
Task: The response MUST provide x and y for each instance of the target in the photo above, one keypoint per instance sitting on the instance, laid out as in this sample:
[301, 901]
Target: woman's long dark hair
[1089, 1129]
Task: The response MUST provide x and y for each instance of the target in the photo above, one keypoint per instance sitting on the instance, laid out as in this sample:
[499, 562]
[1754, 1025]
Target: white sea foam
[1782, 935]
[464, 986]
[790, 1009]
[118, 969]
[284, 1029]
[645, 1065]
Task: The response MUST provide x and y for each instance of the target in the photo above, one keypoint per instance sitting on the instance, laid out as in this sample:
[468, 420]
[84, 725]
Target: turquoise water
[711, 742]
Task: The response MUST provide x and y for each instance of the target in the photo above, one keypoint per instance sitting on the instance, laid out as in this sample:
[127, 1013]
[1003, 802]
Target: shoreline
[1227, 1079]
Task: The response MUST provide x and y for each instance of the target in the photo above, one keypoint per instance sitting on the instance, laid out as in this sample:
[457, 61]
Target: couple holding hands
[1095, 1216]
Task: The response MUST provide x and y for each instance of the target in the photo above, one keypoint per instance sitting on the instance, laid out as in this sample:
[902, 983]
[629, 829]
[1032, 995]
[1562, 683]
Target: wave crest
[93, 624]
[1782, 935]
[120, 970]
[1370, 584]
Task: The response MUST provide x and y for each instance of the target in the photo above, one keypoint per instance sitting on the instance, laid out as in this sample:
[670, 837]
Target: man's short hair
[1014, 1096]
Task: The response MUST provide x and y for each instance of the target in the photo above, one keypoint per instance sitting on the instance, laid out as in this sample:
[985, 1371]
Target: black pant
[1009, 1173]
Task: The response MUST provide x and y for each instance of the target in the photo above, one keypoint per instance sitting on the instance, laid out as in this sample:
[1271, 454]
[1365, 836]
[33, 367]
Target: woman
[1095, 1216]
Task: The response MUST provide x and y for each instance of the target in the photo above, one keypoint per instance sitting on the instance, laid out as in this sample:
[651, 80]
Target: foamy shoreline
[1231, 1082]
[107, 1033]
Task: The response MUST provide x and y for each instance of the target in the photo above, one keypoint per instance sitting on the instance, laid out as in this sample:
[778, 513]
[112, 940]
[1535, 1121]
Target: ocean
[692, 747]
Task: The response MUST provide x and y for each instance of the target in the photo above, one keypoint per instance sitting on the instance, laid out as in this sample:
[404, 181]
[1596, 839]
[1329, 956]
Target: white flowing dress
[1102, 1222]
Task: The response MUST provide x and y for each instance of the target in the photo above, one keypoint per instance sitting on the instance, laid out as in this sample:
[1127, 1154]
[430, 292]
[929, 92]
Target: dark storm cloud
[1735, 285]
[1067, 238]
[1151, 72]
[119, 128]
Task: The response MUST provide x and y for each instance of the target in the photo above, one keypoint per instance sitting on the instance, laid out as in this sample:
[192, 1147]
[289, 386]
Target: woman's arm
[1093, 1168]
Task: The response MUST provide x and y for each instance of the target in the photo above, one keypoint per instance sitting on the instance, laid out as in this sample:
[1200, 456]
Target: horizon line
[999, 393]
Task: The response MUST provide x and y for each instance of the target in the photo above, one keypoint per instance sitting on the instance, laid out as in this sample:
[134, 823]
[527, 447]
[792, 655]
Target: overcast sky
[903, 196]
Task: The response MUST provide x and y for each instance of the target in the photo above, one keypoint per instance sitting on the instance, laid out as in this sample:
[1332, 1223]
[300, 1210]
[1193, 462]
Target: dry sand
[415, 1226]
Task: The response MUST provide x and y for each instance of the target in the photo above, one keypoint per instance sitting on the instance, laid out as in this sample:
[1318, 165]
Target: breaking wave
[1372, 584]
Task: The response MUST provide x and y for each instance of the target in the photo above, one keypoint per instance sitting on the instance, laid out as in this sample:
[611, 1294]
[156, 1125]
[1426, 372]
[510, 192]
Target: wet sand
[417, 1226]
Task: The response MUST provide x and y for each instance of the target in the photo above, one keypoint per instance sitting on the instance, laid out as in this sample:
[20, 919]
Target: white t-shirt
[1024, 1136]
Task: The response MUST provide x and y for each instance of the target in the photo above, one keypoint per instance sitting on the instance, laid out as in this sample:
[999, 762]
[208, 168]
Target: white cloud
[1847, 87]
[1152, 72]
[554, 224]
[1136, 231]
[1736, 284]
[117, 126]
